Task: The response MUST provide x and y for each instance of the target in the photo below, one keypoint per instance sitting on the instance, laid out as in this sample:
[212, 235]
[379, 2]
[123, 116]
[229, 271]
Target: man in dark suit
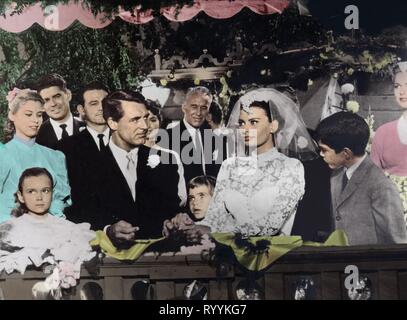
[61, 124]
[82, 150]
[134, 187]
[192, 138]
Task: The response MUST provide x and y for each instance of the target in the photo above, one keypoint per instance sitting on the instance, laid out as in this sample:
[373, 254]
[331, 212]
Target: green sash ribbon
[133, 253]
[279, 246]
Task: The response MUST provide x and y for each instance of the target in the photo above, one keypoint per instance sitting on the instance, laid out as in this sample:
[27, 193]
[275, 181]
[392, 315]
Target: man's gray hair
[198, 90]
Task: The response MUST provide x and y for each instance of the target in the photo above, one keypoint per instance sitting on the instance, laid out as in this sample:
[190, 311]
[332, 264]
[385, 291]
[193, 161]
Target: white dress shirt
[192, 132]
[128, 168]
[95, 134]
[58, 129]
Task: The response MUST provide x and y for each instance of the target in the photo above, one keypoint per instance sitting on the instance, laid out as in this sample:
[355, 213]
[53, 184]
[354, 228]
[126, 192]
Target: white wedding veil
[292, 137]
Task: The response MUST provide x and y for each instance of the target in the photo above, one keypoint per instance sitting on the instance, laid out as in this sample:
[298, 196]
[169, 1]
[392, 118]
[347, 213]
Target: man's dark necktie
[65, 133]
[344, 181]
[101, 142]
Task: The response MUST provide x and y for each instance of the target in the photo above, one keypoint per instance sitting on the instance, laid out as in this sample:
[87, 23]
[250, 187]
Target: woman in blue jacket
[21, 152]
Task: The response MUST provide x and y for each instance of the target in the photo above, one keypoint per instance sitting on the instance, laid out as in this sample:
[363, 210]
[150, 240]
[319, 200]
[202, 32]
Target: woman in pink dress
[389, 147]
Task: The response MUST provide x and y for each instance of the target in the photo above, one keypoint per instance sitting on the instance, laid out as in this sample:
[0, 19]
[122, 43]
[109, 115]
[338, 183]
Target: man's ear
[348, 153]
[81, 110]
[183, 108]
[112, 124]
[69, 94]
[20, 197]
[274, 126]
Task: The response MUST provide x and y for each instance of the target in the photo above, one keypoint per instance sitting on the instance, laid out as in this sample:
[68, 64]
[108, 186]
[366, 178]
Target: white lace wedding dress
[256, 195]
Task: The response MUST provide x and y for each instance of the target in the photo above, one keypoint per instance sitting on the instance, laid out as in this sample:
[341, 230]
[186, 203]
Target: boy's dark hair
[95, 85]
[112, 106]
[216, 112]
[51, 80]
[208, 181]
[30, 172]
[344, 130]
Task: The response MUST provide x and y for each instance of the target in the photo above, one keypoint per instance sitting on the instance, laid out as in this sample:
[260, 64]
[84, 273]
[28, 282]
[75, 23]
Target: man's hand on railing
[122, 233]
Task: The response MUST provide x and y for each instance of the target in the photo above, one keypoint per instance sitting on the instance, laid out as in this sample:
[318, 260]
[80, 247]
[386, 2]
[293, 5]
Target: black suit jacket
[81, 153]
[47, 136]
[179, 138]
[110, 200]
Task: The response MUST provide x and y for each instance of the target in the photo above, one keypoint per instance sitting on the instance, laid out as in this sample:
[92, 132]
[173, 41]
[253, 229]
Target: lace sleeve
[217, 217]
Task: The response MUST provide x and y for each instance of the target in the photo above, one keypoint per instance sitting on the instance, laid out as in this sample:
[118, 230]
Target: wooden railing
[310, 273]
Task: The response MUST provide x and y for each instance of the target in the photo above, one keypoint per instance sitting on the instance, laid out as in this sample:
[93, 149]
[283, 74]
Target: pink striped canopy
[60, 17]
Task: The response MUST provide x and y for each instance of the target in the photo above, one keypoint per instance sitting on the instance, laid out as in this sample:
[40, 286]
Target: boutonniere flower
[153, 160]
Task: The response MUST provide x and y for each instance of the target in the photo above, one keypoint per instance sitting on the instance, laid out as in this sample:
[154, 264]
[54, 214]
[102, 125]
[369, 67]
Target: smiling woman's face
[400, 89]
[27, 119]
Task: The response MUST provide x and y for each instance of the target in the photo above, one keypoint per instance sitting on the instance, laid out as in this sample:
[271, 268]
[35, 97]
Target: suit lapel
[357, 178]
[76, 126]
[50, 134]
[336, 187]
[88, 144]
[142, 158]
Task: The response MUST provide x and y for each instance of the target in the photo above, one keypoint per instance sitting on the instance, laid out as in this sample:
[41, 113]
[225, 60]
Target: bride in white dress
[259, 186]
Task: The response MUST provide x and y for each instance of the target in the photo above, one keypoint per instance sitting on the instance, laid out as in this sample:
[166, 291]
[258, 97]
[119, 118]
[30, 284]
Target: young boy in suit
[365, 203]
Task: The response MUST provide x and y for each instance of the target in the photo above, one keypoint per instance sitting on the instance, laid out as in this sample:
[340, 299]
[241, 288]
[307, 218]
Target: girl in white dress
[35, 237]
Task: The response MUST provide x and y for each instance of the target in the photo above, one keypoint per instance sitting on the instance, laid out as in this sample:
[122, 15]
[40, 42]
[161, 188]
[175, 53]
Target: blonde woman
[21, 152]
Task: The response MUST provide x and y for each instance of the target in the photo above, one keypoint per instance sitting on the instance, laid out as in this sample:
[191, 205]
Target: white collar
[95, 134]
[116, 150]
[188, 126]
[68, 121]
[351, 170]
[192, 132]
[57, 126]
